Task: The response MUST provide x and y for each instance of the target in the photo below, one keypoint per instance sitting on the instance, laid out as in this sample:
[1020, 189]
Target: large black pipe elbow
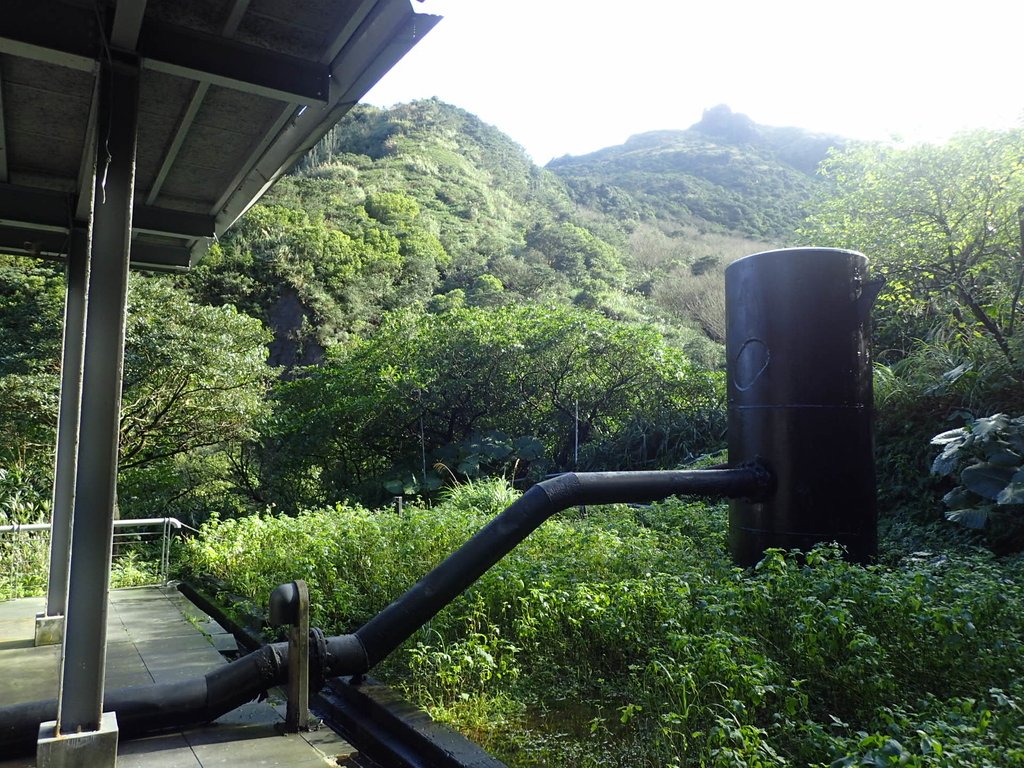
[144, 709]
[392, 626]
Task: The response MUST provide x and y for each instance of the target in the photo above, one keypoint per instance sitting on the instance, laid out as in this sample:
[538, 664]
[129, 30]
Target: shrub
[625, 636]
[985, 458]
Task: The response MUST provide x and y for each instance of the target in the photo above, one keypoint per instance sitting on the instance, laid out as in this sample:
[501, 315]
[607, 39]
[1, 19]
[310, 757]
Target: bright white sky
[569, 77]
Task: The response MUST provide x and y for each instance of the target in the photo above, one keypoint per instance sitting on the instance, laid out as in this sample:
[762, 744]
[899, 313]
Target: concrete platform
[154, 634]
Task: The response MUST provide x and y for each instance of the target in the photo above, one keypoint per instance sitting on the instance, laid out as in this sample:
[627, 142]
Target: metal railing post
[165, 551]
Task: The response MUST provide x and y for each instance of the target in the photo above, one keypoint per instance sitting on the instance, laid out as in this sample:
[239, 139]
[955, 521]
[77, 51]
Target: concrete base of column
[89, 749]
[49, 629]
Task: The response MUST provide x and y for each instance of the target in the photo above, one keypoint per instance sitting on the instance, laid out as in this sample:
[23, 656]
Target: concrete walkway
[154, 634]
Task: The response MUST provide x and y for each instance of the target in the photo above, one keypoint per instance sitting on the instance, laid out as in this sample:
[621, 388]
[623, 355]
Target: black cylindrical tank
[799, 393]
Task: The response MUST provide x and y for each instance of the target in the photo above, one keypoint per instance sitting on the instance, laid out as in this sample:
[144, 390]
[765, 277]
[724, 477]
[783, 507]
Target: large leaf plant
[986, 458]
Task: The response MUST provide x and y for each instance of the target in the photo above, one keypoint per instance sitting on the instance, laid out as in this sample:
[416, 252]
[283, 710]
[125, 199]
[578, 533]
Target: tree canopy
[195, 381]
[474, 390]
[943, 224]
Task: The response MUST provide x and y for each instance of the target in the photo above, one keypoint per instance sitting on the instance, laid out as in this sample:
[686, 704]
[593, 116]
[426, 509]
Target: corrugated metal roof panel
[221, 89]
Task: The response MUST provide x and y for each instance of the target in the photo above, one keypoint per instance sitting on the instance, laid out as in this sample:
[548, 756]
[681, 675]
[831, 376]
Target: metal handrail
[166, 523]
[126, 523]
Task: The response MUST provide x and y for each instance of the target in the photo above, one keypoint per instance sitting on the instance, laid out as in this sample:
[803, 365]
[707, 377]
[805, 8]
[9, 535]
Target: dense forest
[419, 310]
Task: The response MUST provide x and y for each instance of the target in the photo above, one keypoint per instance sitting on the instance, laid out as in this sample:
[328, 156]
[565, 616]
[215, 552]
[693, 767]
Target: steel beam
[401, 43]
[231, 64]
[83, 657]
[42, 209]
[383, 37]
[348, 29]
[165, 221]
[53, 244]
[57, 33]
[284, 117]
[88, 162]
[77, 271]
[171, 153]
[127, 23]
[34, 208]
[160, 257]
[40, 243]
[235, 17]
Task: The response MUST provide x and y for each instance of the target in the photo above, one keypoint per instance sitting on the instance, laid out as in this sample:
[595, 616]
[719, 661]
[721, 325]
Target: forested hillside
[425, 202]
[416, 242]
[415, 223]
[419, 310]
[726, 172]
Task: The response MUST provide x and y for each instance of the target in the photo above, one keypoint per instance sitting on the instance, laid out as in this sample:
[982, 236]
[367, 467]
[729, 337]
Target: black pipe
[391, 627]
[146, 709]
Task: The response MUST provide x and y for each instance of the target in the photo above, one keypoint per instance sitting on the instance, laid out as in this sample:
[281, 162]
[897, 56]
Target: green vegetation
[725, 172]
[625, 636]
[420, 310]
[195, 380]
[985, 457]
[942, 225]
[468, 392]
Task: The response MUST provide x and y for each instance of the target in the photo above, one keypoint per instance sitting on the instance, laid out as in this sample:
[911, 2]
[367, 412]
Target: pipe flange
[317, 659]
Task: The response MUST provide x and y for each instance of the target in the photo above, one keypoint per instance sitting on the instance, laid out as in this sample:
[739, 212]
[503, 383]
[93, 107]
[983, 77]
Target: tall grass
[624, 636]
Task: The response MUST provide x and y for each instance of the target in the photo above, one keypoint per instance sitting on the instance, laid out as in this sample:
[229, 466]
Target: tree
[577, 253]
[476, 389]
[31, 311]
[942, 224]
[195, 381]
[318, 281]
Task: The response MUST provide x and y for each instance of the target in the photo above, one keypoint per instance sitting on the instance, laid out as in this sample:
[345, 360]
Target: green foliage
[477, 391]
[31, 309]
[476, 190]
[942, 224]
[576, 254]
[317, 277]
[24, 555]
[195, 379]
[725, 172]
[986, 458]
[628, 638]
[336, 246]
[937, 386]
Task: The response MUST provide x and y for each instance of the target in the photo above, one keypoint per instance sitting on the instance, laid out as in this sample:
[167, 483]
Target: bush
[986, 458]
[938, 385]
[625, 636]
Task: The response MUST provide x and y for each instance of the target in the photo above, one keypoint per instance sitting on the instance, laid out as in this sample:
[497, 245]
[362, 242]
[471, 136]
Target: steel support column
[77, 275]
[83, 657]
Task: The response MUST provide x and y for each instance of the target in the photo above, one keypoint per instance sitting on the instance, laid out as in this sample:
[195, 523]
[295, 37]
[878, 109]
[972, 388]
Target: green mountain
[424, 220]
[424, 204]
[726, 170]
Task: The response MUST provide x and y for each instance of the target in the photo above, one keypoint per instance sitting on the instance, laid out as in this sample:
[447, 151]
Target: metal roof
[232, 93]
